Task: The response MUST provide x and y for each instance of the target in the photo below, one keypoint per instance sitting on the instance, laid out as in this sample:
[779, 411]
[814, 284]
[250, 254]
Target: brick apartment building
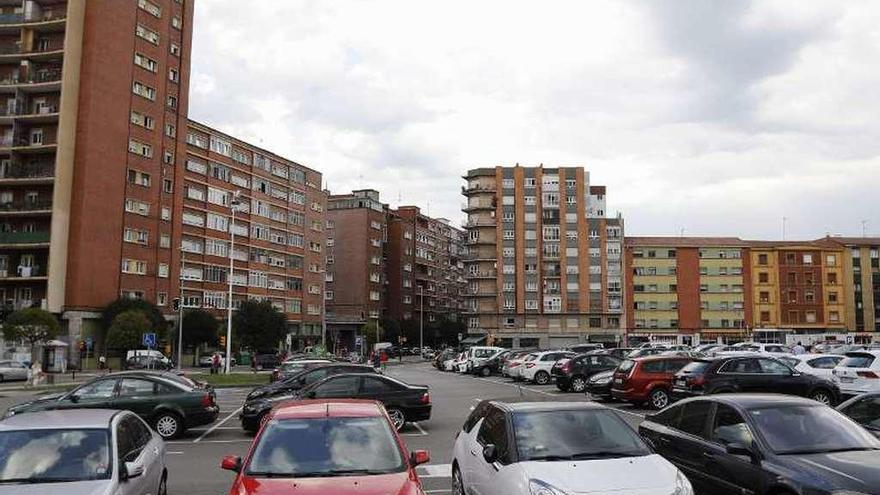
[355, 281]
[425, 271]
[96, 101]
[544, 260]
[861, 281]
[278, 227]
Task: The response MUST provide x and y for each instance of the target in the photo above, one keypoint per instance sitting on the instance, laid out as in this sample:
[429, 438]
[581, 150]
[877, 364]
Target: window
[176, 22]
[175, 49]
[150, 7]
[763, 277]
[729, 427]
[145, 62]
[493, 430]
[136, 267]
[173, 75]
[171, 101]
[142, 120]
[693, 417]
[165, 241]
[166, 213]
[144, 91]
[137, 207]
[221, 146]
[139, 148]
[136, 236]
[147, 34]
[762, 259]
[163, 270]
[139, 178]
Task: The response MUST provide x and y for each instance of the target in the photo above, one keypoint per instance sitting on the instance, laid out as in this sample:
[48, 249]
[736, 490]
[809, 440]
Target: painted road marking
[187, 442]
[210, 430]
[435, 471]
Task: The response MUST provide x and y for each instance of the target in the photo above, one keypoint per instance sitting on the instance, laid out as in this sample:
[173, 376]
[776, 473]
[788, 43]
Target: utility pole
[324, 307]
[232, 205]
[421, 319]
[180, 316]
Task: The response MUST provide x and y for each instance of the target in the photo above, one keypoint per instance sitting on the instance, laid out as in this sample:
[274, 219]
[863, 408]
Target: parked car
[405, 403]
[12, 370]
[441, 357]
[864, 410]
[858, 373]
[765, 444]
[599, 386]
[205, 360]
[307, 376]
[618, 352]
[266, 360]
[511, 365]
[571, 374]
[492, 364]
[89, 451]
[144, 362]
[537, 369]
[289, 368]
[169, 405]
[756, 373]
[454, 363]
[551, 448]
[152, 353]
[585, 348]
[327, 446]
[647, 379]
[479, 360]
[645, 352]
[707, 348]
[814, 364]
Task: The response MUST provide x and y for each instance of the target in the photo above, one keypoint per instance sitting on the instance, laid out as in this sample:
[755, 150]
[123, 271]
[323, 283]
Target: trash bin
[244, 359]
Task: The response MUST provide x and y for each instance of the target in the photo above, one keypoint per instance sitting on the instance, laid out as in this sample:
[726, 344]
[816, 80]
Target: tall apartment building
[683, 289]
[278, 227]
[96, 98]
[544, 261]
[861, 281]
[355, 281]
[425, 269]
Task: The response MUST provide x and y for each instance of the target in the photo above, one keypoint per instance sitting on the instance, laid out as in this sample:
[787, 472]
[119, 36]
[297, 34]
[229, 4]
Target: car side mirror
[419, 457]
[129, 470]
[74, 398]
[311, 394]
[737, 448]
[490, 453]
[231, 463]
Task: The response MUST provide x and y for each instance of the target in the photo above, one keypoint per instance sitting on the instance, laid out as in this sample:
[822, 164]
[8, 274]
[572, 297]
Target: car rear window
[626, 365]
[857, 360]
[695, 367]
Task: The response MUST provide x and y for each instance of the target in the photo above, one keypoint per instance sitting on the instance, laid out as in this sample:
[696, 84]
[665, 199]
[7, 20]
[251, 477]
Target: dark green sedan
[169, 403]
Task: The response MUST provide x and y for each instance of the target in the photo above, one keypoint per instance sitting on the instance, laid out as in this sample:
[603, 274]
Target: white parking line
[218, 425]
[420, 429]
[187, 442]
[520, 387]
[174, 453]
[218, 428]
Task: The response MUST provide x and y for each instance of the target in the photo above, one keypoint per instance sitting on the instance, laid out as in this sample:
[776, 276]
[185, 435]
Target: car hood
[273, 389]
[626, 475]
[855, 470]
[382, 484]
[36, 403]
[93, 487]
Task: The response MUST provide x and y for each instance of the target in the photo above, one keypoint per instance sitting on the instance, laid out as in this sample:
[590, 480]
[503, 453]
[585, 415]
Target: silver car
[81, 452]
[12, 370]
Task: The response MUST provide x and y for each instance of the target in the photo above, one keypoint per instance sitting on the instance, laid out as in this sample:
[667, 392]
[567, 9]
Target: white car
[81, 451]
[552, 448]
[537, 369]
[813, 364]
[858, 373]
[12, 370]
[478, 355]
[514, 361]
[452, 364]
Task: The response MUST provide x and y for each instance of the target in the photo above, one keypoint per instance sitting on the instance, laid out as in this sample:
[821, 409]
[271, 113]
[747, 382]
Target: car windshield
[626, 365]
[574, 434]
[326, 447]
[54, 456]
[810, 429]
[293, 367]
[483, 353]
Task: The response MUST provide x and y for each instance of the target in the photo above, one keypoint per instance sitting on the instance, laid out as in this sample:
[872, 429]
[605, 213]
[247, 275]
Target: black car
[492, 365]
[572, 374]
[765, 444]
[864, 410]
[404, 403]
[751, 374]
[599, 386]
[306, 377]
[266, 361]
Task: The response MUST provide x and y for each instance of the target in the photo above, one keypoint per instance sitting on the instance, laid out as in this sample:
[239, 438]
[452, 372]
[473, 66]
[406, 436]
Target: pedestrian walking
[383, 358]
[102, 362]
[798, 349]
[215, 364]
[377, 362]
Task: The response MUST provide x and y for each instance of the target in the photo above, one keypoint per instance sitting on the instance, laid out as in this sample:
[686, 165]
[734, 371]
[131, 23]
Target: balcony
[477, 205]
[23, 144]
[40, 80]
[40, 206]
[43, 51]
[29, 114]
[482, 274]
[24, 238]
[24, 174]
[44, 16]
[23, 273]
[478, 189]
[479, 222]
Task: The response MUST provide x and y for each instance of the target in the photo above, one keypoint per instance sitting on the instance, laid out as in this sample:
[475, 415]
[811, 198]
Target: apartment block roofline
[672, 241]
[270, 154]
[816, 243]
[854, 241]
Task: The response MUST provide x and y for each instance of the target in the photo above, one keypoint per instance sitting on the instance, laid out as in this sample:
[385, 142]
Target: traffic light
[222, 341]
[175, 303]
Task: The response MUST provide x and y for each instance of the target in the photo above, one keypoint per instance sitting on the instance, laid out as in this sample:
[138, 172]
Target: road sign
[149, 340]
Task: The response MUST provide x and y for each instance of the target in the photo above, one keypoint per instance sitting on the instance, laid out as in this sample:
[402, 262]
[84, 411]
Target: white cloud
[718, 117]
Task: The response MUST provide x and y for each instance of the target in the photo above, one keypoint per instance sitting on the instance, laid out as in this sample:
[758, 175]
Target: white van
[148, 352]
[477, 355]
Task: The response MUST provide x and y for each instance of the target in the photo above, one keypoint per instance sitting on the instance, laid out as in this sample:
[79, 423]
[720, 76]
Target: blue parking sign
[149, 340]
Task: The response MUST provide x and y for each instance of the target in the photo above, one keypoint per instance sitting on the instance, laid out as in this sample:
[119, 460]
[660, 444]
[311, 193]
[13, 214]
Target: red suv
[647, 379]
[327, 446]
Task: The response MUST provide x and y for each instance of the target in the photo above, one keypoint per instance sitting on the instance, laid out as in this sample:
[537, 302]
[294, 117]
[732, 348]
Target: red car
[320, 447]
[647, 379]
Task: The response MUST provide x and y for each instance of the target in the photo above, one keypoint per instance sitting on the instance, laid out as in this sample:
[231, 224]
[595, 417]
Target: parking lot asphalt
[194, 458]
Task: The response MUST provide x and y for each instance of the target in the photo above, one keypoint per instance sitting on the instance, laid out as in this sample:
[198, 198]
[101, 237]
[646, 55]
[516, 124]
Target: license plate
[618, 380]
[680, 383]
[846, 379]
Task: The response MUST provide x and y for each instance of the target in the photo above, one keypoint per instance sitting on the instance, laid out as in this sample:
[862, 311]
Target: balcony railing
[24, 237]
[22, 171]
[478, 188]
[22, 272]
[16, 49]
[37, 78]
[11, 18]
[40, 204]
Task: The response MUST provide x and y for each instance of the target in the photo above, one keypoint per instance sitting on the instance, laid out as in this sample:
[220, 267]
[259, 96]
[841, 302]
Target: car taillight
[530, 365]
[207, 400]
[426, 399]
[698, 380]
[566, 367]
[867, 374]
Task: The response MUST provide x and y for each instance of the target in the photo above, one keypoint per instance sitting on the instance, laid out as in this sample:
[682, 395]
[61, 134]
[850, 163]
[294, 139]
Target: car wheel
[659, 398]
[542, 378]
[561, 387]
[823, 396]
[397, 418]
[168, 425]
[457, 483]
[578, 384]
[163, 485]
[485, 371]
[2, 379]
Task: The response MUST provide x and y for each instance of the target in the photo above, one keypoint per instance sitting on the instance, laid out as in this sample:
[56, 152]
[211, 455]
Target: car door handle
[473, 453]
[709, 455]
[665, 440]
[156, 450]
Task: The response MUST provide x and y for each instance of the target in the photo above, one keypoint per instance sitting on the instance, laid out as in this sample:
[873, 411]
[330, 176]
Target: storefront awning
[474, 339]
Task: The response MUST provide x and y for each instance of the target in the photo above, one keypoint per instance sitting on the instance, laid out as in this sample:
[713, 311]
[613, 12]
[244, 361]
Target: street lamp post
[180, 317]
[324, 309]
[421, 319]
[232, 205]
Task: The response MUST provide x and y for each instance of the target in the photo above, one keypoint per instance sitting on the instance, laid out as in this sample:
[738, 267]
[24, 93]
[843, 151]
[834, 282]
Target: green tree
[157, 322]
[33, 325]
[259, 326]
[127, 330]
[200, 327]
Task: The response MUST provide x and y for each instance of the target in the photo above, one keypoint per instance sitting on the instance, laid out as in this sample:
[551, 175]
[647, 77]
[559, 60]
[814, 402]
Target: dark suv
[307, 377]
[572, 374]
[751, 374]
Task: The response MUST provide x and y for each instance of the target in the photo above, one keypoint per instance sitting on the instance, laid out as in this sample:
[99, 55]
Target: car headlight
[256, 407]
[538, 487]
[682, 485]
[9, 413]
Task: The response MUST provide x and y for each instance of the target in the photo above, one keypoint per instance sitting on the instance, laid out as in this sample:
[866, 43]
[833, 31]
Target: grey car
[12, 370]
[81, 452]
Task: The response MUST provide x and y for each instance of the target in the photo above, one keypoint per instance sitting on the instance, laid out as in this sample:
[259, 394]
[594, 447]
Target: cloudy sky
[719, 118]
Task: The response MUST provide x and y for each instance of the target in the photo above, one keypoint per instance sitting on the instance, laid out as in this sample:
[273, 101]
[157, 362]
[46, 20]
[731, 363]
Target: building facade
[861, 282]
[543, 263]
[683, 289]
[278, 228]
[96, 100]
[425, 271]
[355, 281]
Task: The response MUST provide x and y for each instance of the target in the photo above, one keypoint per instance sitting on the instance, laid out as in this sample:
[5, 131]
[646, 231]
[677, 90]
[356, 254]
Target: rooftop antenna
[864, 228]
[784, 219]
[681, 232]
